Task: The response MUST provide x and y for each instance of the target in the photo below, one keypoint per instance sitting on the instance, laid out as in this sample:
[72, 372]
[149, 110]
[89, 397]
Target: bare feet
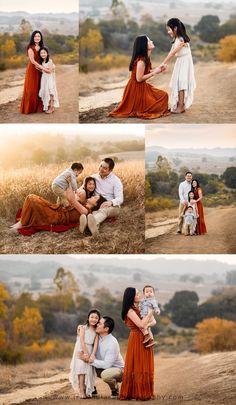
[16, 226]
[178, 110]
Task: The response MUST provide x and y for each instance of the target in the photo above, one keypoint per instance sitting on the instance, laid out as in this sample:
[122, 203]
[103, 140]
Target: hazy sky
[191, 136]
[112, 132]
[42, 6]
[229, 259]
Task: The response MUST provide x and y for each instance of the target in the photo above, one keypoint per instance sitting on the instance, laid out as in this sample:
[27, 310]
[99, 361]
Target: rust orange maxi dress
[138, 378]
[201, 226]
[31, 103]
[141, 99]
[37, 211]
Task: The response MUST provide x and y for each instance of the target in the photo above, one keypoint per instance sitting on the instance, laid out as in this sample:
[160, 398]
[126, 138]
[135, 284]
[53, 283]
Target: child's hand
[68, 179]
[163, 67]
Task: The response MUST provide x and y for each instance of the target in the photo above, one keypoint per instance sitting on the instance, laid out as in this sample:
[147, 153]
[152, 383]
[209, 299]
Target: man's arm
[118, 193]
[181, 193]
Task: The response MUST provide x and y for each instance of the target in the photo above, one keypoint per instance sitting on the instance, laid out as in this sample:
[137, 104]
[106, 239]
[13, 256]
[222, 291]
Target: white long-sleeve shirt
[109, 187]
[184, 189]
[108, 353]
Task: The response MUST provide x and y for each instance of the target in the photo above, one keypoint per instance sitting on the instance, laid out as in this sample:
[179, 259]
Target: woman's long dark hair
[180, 28]
[31, 42]
[128, 301]
[93, 311]
[44, 48]
[198, 185]
[140, 48]
[86, 180]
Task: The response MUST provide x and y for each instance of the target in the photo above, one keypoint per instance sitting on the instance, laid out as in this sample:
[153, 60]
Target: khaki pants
[180, 219]
[111, 376]
[60, 193]
[103, 213]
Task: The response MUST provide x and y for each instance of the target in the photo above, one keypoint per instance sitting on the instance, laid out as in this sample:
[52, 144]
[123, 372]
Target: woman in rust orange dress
[138, 378]
[141, 99]
[31, 103]
[201, 226]
[37, 211]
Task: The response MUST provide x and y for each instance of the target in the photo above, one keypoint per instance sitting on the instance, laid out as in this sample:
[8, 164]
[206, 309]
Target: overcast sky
[42, 6]
[191, 136]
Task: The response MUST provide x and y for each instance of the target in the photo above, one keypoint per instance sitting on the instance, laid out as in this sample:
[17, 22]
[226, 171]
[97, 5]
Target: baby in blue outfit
[147, 304]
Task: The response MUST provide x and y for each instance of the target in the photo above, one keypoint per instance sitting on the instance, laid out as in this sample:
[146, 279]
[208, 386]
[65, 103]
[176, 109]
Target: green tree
[183, 308]
[208, 28]
[229, 177]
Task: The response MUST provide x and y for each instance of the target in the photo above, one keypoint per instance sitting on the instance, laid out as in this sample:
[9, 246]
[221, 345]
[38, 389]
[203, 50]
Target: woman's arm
[81, 195]
[141, 77]
[70, 195]
[199, 195]
[140, 323]
[33, 61]
[173, 51]
[82, 342]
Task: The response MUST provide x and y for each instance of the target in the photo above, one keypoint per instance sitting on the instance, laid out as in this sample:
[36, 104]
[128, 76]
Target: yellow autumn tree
[28, 328]
[4, 296]
[8, 49]
[92, 43]
[227, 52]
[215, 334]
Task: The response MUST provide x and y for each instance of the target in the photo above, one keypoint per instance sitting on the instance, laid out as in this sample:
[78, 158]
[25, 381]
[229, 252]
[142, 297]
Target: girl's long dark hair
[86, 180]
[31, 42]
[191, 191]
[180, 28]
[44, 48]
[140, 48]
[93, 311]
[128, 301]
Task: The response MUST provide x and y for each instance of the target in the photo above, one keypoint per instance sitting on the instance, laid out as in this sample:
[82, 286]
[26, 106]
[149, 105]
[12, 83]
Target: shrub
[215, 334]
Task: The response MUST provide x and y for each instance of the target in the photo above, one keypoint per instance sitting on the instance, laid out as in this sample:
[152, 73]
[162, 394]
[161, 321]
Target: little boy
[190, 221]
[61, 183]
[147, 304]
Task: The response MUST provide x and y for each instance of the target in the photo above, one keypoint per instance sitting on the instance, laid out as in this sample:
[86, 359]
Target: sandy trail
[185, 378]
[161, 234]
[214, 101]
[11, 88]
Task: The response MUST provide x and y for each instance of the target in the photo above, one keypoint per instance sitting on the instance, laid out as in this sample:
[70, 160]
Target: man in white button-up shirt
[108, 361]
[184, 189]
[109, 186]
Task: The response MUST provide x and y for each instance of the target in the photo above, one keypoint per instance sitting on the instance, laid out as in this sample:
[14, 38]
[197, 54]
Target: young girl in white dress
[82, 374]
[182, 81]
[48, 89]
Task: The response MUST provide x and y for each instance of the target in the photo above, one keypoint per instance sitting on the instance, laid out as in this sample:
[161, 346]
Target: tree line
[45, 327]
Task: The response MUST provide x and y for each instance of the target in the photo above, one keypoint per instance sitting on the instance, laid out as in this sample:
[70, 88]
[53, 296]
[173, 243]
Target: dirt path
[185, 378]
[68, 88]
[214, 100]
[161, 234]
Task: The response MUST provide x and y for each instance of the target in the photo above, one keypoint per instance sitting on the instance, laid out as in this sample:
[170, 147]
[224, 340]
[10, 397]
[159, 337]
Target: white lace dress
[182, 76]
[48, 86]
[78, 366]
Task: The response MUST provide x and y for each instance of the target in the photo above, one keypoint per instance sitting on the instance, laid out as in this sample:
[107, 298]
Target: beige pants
[103, 213]
[60, 193]
[111, 376]
[181, 219]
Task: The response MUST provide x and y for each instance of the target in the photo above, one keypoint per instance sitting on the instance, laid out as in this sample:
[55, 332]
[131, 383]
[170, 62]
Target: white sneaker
[92, 226]
[82, 223]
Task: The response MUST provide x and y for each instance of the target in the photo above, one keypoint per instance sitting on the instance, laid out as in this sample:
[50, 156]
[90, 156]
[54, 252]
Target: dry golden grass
[114, 237]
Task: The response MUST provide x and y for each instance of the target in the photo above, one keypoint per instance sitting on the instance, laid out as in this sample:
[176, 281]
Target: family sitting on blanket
[100, 197]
